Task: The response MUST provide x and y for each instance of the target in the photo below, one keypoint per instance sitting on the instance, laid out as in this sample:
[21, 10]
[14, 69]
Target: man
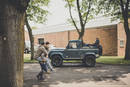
[97, 42]
[47, 46]
[40, 55]
[48, 62]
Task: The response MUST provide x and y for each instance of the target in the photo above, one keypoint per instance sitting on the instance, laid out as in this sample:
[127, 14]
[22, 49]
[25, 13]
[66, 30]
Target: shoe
[38, 77]
[47, 72]
[41, 79]
[53, 70]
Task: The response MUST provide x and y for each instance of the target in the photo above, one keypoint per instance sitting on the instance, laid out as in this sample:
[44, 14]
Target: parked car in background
[27, 47]
[35, 48]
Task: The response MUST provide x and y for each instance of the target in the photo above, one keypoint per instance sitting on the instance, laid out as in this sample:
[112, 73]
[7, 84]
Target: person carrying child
[40, 56]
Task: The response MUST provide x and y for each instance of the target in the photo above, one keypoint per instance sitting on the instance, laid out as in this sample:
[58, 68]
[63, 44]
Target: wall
[59, 39]
[121, 36]
[36, 37]
[107, 36]
[26, 36]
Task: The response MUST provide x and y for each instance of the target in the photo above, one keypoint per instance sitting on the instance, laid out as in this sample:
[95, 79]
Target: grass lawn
[102, 59]
[112, 60]
[27, 59]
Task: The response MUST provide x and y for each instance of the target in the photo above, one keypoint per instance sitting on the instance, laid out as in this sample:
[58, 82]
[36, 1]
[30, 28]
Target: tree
[85, 10]
[12, 42]
[37, 13]
[118, 9]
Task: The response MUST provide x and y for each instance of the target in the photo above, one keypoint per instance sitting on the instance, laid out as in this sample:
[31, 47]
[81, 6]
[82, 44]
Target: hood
[58, 49]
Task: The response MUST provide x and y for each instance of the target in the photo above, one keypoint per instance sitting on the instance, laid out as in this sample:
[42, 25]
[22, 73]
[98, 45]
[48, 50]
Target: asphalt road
[76, 75]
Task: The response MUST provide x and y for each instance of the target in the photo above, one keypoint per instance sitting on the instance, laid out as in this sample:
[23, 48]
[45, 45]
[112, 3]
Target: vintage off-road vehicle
[75, 50]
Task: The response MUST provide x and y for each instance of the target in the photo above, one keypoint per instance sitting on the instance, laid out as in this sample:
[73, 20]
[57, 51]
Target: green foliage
[36, 10]
[84, 8]
[111, 8]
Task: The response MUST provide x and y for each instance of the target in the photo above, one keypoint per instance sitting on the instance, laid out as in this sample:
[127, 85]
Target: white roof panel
[97, 22]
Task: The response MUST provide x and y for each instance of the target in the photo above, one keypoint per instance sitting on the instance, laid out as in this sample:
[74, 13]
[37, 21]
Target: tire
[56, 60]
[89, 61]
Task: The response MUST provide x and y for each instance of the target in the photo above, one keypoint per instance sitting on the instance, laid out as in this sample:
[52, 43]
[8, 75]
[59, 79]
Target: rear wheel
[56, 60]
[89, 61]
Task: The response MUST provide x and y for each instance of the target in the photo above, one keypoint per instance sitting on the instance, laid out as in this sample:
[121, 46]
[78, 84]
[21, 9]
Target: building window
[40, 40]
[121, 43]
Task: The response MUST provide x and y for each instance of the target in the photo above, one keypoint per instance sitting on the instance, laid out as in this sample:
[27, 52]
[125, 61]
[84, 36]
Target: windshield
[73, 45]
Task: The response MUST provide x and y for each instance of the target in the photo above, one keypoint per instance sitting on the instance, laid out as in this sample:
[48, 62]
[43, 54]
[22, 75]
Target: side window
[40, 40]
[73, 45]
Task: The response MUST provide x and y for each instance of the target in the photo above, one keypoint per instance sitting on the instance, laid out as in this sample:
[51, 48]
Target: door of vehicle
[72, 51]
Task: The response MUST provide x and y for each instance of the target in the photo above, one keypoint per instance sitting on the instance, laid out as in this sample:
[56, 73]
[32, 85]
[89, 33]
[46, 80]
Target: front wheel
[89, 61]
[56, 60]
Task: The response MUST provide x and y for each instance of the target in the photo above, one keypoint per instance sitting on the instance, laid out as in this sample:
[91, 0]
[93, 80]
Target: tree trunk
[127, 31]
[31, 38]
[81, 34]
[127, 50]
[126, 27]
[11, 43]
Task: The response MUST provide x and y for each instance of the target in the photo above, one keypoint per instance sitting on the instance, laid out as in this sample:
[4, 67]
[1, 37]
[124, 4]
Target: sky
[58, 14]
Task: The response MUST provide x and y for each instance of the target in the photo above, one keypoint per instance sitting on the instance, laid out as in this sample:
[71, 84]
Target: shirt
[41, 52]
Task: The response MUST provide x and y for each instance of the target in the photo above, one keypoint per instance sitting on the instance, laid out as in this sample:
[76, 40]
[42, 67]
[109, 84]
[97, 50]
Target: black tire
[56, 60]
[89, 61]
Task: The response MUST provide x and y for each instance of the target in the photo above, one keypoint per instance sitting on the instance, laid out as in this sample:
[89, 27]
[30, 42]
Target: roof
[97, 22]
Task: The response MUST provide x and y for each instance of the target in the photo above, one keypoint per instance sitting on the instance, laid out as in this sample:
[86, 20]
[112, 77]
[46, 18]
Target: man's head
[97, 38]
[47, 43]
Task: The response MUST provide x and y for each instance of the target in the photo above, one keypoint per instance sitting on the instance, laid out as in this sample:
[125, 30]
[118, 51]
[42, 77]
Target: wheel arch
[57, 53]
[89, 54]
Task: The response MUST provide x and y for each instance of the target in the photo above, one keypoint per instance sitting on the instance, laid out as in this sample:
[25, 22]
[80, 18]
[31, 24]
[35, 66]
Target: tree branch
[87, 13]
[125, 15]
[30, 36]
[122, 7]
[72, 17]
[80, 16]
[126, 6]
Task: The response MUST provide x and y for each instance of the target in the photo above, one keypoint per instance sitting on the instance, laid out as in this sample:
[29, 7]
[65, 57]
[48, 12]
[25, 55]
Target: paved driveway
[75, 75]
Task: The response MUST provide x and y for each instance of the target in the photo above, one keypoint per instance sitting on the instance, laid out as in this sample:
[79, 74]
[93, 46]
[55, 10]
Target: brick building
[26, 35]
[111, 35]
